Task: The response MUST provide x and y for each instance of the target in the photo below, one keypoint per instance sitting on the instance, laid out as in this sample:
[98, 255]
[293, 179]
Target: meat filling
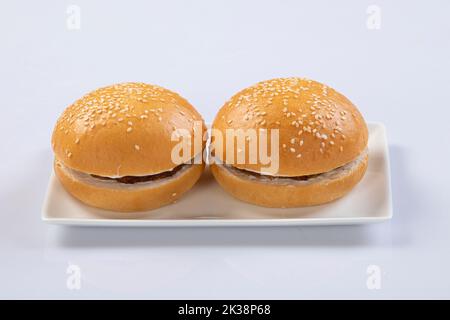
[271, 178]
[342, 170]
[135, 179]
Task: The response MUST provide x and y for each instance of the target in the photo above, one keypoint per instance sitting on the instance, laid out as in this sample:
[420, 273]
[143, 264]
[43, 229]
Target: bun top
[124, 130]
[319, 128]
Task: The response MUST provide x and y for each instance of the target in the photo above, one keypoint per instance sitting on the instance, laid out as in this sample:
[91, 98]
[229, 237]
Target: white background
[208, 50]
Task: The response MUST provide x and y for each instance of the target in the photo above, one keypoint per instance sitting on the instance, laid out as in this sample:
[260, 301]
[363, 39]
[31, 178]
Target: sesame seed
[129, 129]
[174, 194]
[77, 141]
[341, 148]
[69, 155]
[299, 155]
[293, 140]
[292, 150]
[301, 142]
[137, 147]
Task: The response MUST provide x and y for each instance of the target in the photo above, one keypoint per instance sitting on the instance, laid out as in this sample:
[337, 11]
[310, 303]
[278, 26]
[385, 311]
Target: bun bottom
[124, 201]
[290, 193]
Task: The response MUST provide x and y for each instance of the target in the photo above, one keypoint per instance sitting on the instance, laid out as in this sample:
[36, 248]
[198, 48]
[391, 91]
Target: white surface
[207, 205]
[208, 50]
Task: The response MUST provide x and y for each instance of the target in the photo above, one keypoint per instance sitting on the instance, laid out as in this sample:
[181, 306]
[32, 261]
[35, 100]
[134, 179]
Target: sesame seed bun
[113, 147]
[126, 201]
[288, 192]
[123, 130]
[322, 144]
[319, 128]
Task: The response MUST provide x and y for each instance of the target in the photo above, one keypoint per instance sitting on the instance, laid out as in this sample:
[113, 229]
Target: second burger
[289, 142]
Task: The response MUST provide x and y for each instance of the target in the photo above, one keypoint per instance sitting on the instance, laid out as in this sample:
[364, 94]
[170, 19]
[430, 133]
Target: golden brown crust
[289, 195]
[123, 130]
[129, 199]
[319, 128]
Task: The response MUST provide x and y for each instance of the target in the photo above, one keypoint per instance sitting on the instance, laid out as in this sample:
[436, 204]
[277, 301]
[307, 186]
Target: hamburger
[320, 147]
[114, 147]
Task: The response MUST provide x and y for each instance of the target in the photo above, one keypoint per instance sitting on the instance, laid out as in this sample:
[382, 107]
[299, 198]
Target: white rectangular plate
[208, 205]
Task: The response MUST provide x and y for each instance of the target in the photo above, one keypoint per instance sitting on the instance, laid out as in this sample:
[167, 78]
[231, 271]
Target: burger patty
[269, 177]
[135, 179]
[299, 179]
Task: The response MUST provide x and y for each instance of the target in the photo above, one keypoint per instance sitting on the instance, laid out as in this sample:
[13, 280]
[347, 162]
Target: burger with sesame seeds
[305, 144]
[114, 148]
